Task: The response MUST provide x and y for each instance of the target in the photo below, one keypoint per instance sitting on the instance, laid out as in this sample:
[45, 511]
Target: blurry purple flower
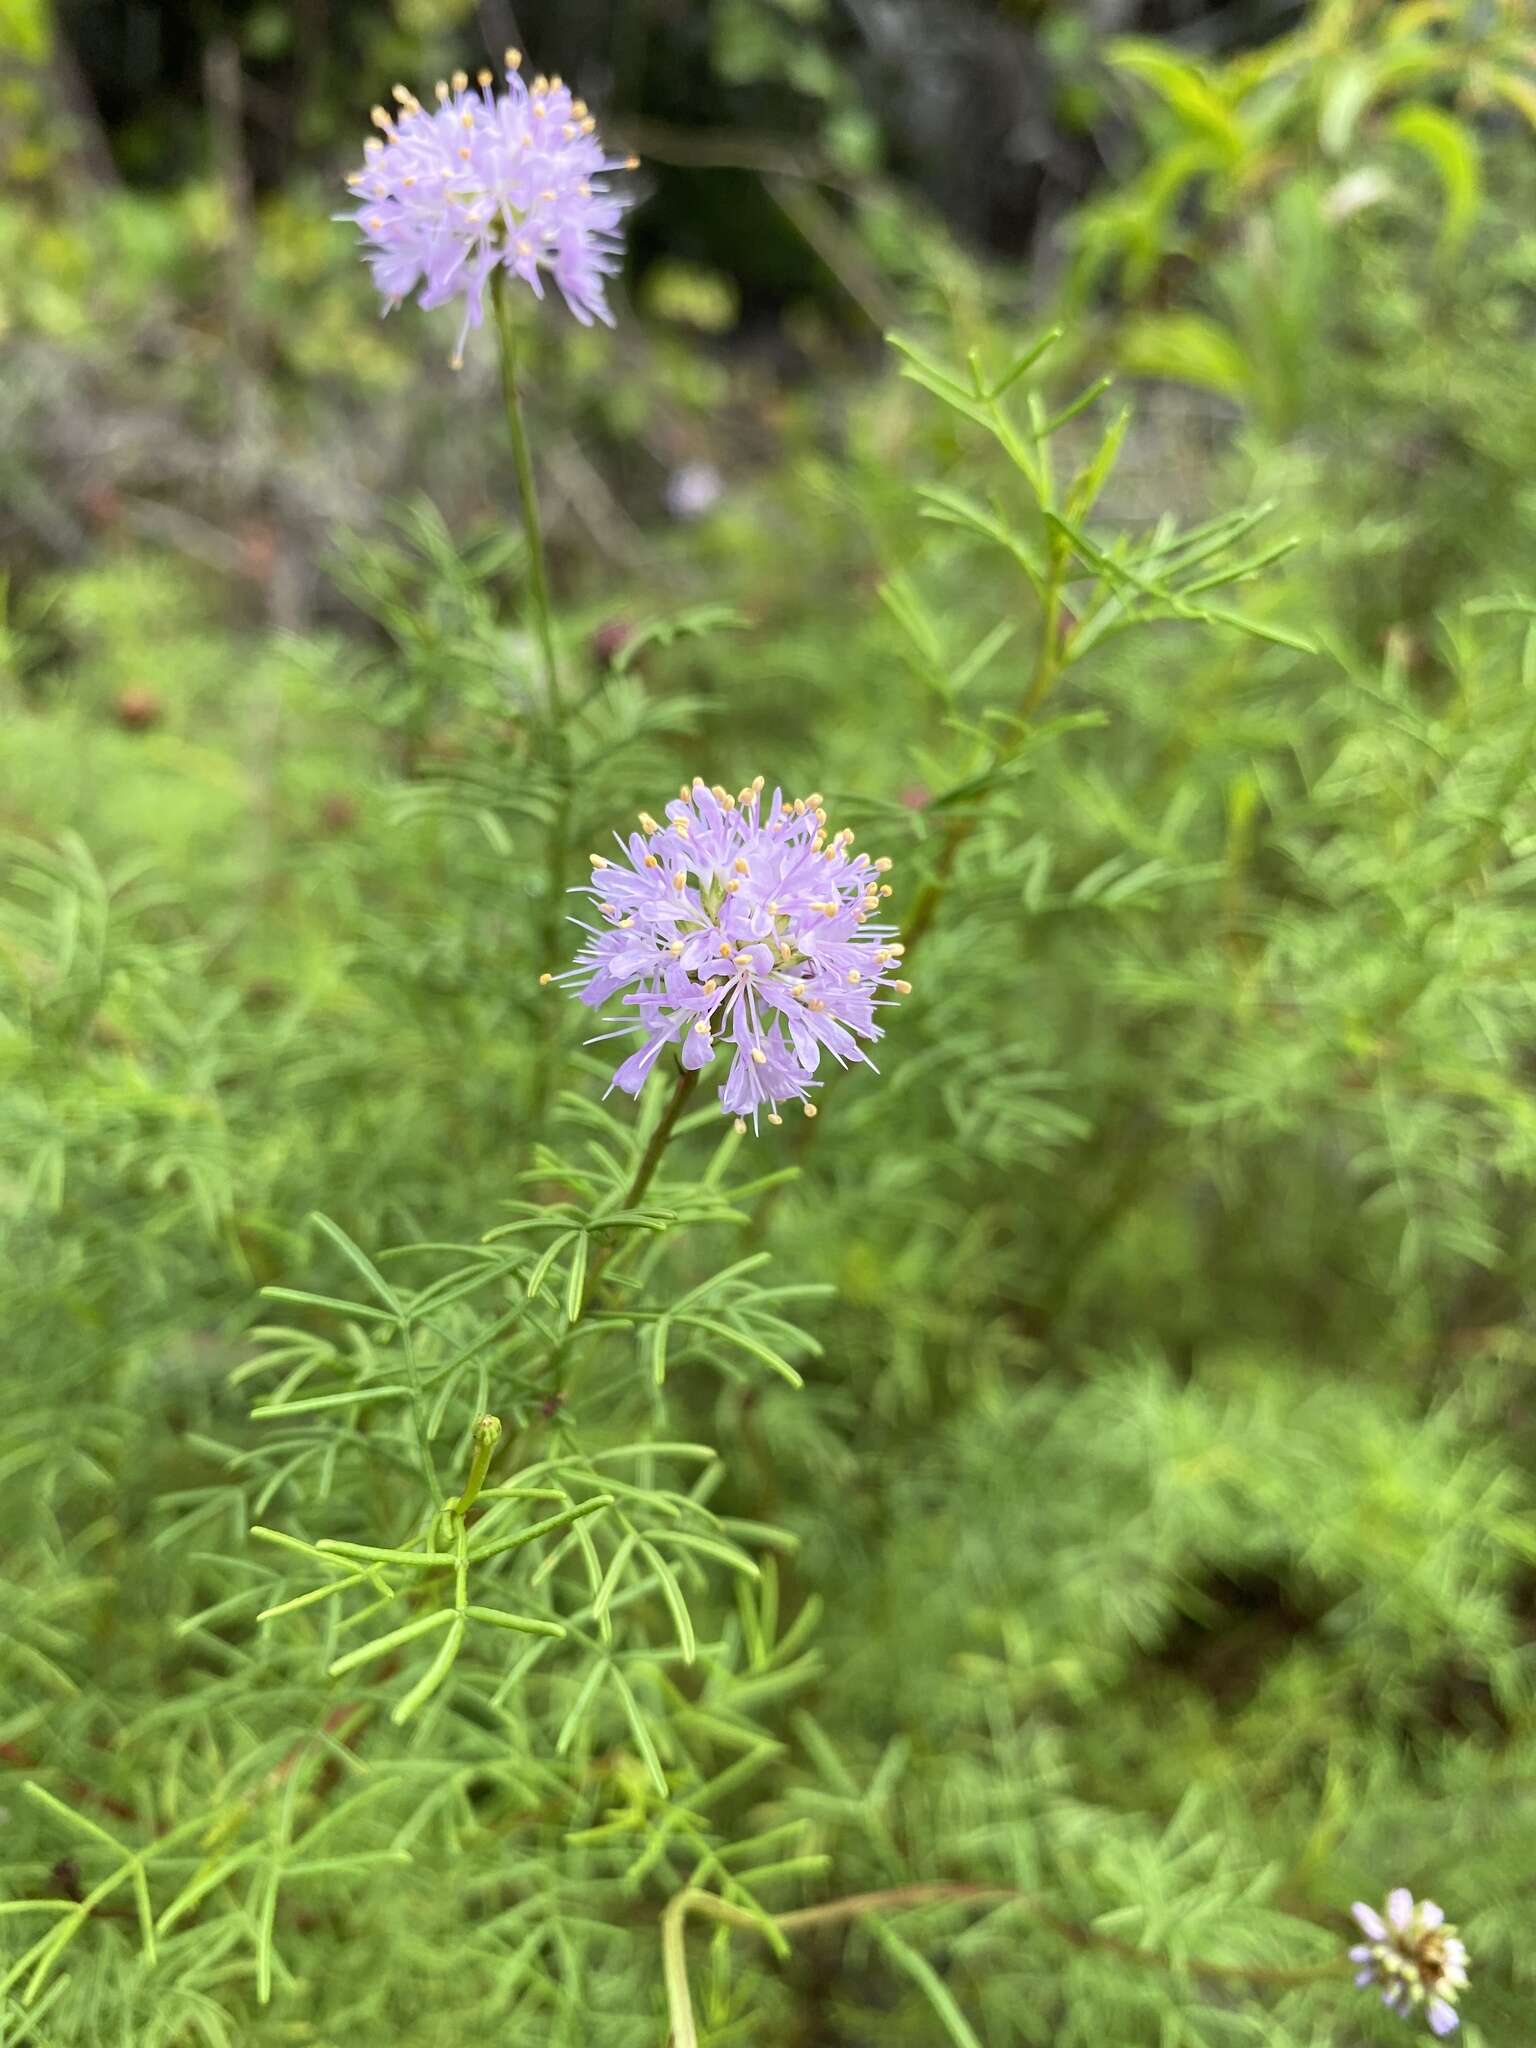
[694, 489]
[451, 192]
[739, 919]
[1414, 1954]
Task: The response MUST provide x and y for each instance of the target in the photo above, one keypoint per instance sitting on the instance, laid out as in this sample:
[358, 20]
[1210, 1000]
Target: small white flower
[1416, 1957]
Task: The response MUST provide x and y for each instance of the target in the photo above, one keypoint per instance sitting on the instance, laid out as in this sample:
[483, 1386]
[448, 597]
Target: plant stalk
[557, 838]
[533, 525]
[859, 1905]
[645, 1171]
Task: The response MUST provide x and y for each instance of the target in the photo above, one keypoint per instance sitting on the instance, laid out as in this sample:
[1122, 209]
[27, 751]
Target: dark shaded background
[987, 110]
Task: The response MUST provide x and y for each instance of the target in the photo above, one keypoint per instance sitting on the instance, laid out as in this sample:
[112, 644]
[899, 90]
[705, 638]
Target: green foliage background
[1098, 1468]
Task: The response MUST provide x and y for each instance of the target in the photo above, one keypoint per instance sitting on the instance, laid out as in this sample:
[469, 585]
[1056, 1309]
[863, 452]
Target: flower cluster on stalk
[1414, 1954]
[740, 925]
[447, 194]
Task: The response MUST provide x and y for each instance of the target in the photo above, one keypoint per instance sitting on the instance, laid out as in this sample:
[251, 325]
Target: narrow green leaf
[638, 1729]
[380, 1646]
[360, 1260]
[317, 1403]
[434, 1674]
[501, 1545]
[929, 1982]
[521, 1624]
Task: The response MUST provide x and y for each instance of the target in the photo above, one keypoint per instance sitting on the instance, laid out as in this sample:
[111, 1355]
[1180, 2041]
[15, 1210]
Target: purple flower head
[740, 927]
[448, 193]
[1413, 1953]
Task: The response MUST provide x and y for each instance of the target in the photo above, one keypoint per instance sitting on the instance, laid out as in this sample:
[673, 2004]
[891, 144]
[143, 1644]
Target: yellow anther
[648, 824]
[545, 980]
[739, 1127]
[809, 1108]
[884, 864]
[757, 784]
[461, 81]
[483, 78]
[885, 888]
[376, 220]
[513, 59]
[759, 1057]
[464, 159]
[854, 977]
[675, 948]
[402, 96]
[556, 82]
[701, 1029]
[578, 108]
[902, 988]
[441, 88]
[354, 177]
[651, 861]
[816, 1003]
[380, 118]
[731, 888]
[679, 884]
[597, 860]
[541, 83]
[774, 1117]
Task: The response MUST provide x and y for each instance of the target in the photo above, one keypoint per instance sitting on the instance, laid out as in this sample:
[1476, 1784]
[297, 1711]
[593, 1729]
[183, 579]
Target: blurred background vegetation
[1164, 1476]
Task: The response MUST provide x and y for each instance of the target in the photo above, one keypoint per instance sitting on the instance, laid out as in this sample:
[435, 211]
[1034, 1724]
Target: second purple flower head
[740, 927]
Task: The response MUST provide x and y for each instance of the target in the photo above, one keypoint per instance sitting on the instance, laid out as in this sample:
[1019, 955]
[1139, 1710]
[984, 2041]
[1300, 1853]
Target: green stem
[533, 527]
[645, 1171]
[640, 1180]
[557, 838]
[674, 1952]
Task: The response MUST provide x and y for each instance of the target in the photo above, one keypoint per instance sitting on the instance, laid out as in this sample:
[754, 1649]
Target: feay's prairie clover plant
[537, 1659]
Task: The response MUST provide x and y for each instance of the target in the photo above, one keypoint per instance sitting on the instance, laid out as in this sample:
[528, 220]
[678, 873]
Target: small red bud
[137, 708]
